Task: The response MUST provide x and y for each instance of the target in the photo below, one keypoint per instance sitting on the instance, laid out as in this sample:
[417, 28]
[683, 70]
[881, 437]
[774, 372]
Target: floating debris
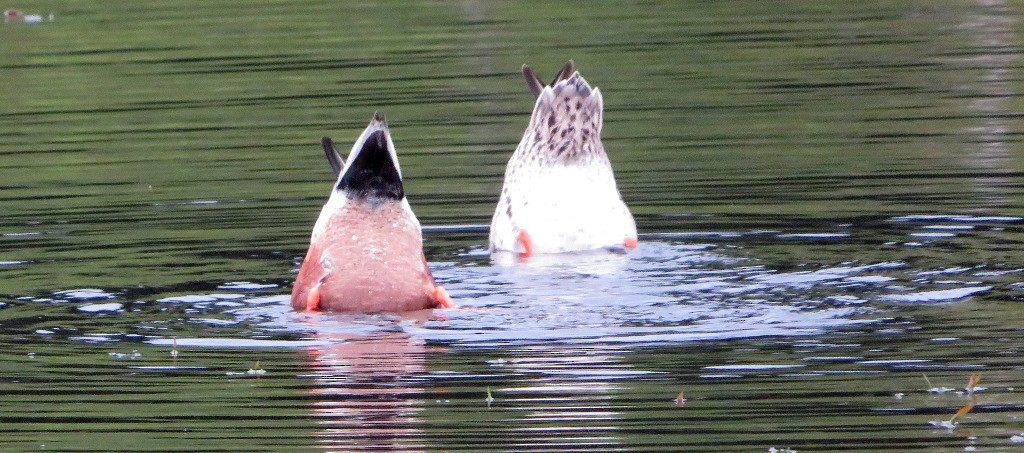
[972, 383]
[680, 399]
[489, 399]
[256, 370]
[964, 410]
[174, 349]
[135, 354]
[16, 15]
[940, 390]
[946, 424]
[951, 424]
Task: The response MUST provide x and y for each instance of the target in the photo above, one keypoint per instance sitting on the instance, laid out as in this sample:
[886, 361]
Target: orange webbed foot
[442, 297]
[313, 299]
[527, 243]
[630, 243]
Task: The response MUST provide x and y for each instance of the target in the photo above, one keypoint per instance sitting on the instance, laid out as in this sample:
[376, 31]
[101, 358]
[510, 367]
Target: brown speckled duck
[559, 193]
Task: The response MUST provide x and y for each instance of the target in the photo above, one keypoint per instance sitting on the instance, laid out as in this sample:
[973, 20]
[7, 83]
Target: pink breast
[367, 260]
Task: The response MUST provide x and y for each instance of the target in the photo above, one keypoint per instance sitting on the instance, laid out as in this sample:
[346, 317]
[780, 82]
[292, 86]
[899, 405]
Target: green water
[770, 152]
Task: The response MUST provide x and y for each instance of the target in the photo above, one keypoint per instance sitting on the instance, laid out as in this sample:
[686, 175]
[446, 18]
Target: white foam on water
[200, 298]
[22, 235]
[168, 368]
[820, 275]
[944, 295]
[930, 235]
[869, 279]
[956, 218]
[894, 362]
[836, 359]
[279, 299]
[750, 367]
[943, 271]
[696, 234]
[239, 343]
[813, 236]
[246, 286]
[948, 227]
[846, 300]
[94, 338]
[215, 321]
[101, 308]
[998, 273]
[83, 294]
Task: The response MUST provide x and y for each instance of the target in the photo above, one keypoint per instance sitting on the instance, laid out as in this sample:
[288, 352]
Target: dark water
[829, 198]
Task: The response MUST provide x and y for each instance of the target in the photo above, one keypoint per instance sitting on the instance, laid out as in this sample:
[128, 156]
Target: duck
[559, 193]
[366, 250]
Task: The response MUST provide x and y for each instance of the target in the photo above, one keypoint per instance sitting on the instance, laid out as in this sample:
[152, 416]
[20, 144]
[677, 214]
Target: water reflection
[838, 184]
[564, 399]
[365, 397]
[992, 30]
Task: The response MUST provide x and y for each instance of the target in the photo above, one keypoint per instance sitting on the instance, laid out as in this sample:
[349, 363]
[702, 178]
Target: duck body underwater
[366, 249]
[559, 193]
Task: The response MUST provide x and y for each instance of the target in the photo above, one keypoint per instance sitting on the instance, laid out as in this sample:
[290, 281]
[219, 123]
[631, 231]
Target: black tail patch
[372, 174]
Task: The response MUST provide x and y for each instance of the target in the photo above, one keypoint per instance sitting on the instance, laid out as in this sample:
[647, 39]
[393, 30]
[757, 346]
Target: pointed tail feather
[333, 156]
[537, 86]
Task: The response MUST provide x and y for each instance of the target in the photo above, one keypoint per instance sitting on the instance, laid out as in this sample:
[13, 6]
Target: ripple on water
[663, 292]
[82, 294]
[246, 286]
[200, 298]
[943, 295]
[956, 218]
[101, 308]
[235, 343]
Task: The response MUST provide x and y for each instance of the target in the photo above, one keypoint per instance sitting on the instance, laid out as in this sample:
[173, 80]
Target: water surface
[829, 200]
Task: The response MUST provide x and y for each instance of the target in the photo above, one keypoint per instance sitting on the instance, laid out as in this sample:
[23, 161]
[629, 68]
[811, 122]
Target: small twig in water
[964, 410]
[972, 382]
